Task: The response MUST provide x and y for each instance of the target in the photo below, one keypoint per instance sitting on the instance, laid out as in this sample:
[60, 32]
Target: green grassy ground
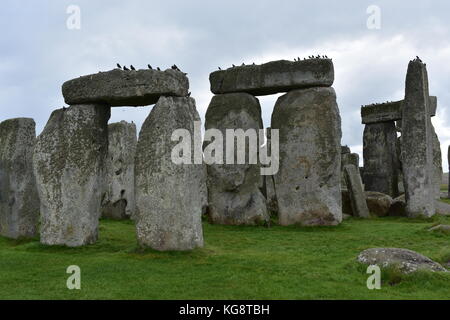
[236, 263]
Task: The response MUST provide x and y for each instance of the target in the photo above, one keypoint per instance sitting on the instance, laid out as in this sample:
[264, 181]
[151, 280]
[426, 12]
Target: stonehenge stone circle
[69, 161]
[417, 144]
[381, 164]
[273, 77]
[168, 195]
[119, 201]
[19, 201]
[308, 183]
[356, 192]
[234, 194]
[125, 88]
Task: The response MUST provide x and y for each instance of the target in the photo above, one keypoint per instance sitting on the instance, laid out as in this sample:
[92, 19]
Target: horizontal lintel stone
[125, 88]
[273, 77]
[389, 111]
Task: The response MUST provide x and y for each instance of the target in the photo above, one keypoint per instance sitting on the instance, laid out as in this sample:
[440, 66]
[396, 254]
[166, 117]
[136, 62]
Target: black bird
[126, 69]
[220, 68]
[158, 69]
[234, 66]
[243, 64]
[189, 94]
[132, 68]
[149, 66]
[119, 66]
[176, 68]
[253, 63]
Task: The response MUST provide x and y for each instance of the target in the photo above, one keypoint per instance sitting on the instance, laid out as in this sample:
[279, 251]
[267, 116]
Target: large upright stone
[234, 189]
[417, 144]
[119, 201]
[448, 161]
[437, 164]
[169, 196]
[125, 88]
[19, 201]
[69, 161]
[381, 162]
[356, 191]
[308, 183]
[273, 77]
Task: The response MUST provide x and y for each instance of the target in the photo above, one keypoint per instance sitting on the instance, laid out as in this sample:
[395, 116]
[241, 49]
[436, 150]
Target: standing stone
[308, 183]
[119, 201]
[234, 191]
[271, 196]
[69, 161]
[448, 159]
[348, 158]
[19, 201]
[356, 191]
[169, 196]
[380, 158]
[417, 144]
[437, 164]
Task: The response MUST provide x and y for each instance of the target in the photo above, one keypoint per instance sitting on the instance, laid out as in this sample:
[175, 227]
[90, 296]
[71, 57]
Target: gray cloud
[39, 53]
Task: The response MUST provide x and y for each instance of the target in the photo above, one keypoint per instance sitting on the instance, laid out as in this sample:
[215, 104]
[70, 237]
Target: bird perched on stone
[150, 67]
[243, 64]
[119, 66]
[175, 67]
[158, 69]
[132, 68]
[189, 94]
[220, 68]
[233, 65]
[126, 69]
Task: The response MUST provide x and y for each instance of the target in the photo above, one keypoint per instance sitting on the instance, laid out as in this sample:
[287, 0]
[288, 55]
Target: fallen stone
[119, 201]
[381, 163]
[308, 183]
[378, 203]
[273, 77]
[355, 188]
[169, 196]
[69, 160]
[19, 200]
[442, 208]
[234, 193]
[441, 228]
[417, 144]
[125, 88]
[406, 260]
[390, 111]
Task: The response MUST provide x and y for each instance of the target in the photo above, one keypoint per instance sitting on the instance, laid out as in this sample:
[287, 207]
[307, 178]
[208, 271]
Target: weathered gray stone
[273, 77]
[448, 181]
[308, 183]
[378, 203]
[125, 88]
[356, 192]
[406, 260]
[390, 111]
[444, 228]
[169, 196]
[69, 160]
[119, 201]
[442, 208]
[348, 158]
[234, 191]
[345, 150]
[269, 184]
[437, 164]
[417, 144]
[19, 201]
[381, 162]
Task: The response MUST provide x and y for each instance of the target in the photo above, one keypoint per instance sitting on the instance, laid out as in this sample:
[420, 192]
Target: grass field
[236, 263]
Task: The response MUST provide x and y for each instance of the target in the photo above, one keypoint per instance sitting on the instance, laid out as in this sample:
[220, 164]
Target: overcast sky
[38, 52]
